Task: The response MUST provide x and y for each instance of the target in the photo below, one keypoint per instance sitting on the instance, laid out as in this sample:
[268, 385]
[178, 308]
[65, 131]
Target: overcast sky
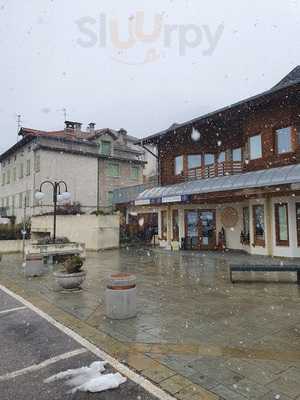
[201, 55]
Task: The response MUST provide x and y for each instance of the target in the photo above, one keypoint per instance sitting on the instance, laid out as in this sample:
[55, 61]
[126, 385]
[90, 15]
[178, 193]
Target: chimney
[122, 135]
[91, 127]
[71, 126]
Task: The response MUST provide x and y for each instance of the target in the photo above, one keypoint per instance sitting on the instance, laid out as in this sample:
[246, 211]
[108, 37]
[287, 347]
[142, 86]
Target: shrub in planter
[49, 240]
[73, 276]
[73, 264]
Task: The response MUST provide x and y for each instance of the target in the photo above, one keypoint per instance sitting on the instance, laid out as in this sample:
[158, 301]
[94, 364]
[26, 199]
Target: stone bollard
[34, 265]
[120, 297]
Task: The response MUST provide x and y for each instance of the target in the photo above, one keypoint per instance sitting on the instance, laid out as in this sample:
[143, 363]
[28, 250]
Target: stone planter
[120, 297]
[70, 281]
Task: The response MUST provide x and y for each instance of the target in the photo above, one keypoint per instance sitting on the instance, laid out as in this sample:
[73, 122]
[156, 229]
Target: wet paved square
[238, 341]
[32, 349]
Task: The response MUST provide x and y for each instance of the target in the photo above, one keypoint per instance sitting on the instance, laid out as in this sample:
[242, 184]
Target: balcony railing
[212, 171]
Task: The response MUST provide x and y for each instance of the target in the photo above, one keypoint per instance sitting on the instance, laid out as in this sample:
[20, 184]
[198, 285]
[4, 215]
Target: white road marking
[117, 365]
[44, 364]
[12, 310]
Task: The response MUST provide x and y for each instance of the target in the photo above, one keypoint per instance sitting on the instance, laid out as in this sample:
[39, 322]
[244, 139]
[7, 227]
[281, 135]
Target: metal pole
[24, 228]
[56, 191]
[55, 209]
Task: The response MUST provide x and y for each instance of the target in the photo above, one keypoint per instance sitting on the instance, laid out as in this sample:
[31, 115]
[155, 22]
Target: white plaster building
[92, 163]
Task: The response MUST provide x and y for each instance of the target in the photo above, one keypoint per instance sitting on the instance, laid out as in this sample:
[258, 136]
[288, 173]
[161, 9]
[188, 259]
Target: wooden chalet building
[232, 177]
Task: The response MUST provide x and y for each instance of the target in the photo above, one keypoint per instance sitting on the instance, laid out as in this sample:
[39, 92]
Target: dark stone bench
[265, 268]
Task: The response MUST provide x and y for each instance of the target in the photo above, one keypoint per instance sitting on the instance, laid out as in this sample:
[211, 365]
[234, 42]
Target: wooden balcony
[212, 171]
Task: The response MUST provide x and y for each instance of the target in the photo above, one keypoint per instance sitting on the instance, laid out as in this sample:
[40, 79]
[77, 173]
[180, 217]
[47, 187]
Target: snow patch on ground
[89, 379]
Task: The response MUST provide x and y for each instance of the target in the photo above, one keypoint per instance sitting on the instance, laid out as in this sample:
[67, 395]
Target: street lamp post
[58, 195]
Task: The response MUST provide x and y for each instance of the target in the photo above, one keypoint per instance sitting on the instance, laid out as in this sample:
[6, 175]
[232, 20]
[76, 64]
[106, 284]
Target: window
[37, 163]
[164, 225]
[175, 225]
[110, 198]
[8, 177]
[222, 157]
[194, 161]
[28, 167]
[246, 226]
[237, 154]
[105, 147]
[14, 174]
[20, 200]
[282, 224]
[298, 222]
[3, 179]
[13, 204]
[284, 140]
[255, 147]
[113, 170]
[21, 171]
[209, 159]
[135, 172]
[259, 225]
[178, 164]
[27, 198]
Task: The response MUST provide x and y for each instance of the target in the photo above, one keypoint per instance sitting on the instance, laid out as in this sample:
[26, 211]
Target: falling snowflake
[196, 135]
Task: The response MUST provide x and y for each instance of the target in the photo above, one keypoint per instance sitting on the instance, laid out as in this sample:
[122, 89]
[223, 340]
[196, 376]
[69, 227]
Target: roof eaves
[153, 138]
[16, 146]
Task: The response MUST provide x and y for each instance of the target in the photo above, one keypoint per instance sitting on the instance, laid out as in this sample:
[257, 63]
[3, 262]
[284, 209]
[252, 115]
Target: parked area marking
[12, 310]
[44, 364]
[118, 366]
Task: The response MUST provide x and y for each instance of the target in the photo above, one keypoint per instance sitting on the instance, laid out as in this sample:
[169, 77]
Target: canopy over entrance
[272, 177]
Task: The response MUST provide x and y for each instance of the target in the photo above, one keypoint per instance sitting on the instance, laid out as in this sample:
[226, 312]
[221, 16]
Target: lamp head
[39, 196]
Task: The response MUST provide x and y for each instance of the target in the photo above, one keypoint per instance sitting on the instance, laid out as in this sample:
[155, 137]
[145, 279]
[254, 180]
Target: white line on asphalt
[44, 364]
[144, 383]
[12, 310]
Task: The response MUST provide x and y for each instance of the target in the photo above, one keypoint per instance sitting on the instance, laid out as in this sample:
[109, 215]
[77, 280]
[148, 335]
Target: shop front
[258, 217]
[200, 229]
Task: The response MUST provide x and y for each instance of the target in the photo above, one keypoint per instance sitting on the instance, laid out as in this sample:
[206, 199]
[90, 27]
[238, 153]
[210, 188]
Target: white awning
[249, 180]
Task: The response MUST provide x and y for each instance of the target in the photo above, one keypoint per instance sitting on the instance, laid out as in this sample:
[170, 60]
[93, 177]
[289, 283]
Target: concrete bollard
[120, 297]
[34, 266]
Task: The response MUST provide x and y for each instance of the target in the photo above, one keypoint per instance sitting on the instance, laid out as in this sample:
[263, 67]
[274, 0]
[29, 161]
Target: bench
[265, 268]
[49, 251]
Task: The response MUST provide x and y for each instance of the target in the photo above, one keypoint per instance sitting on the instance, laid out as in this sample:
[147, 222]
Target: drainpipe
[98, 185]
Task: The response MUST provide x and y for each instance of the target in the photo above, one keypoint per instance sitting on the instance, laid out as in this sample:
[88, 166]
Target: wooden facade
[258, 216]
[229, 131]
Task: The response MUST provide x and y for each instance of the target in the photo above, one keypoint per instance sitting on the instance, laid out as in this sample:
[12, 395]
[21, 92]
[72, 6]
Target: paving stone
[289, 387]
[227, 394]
[174, 384]
[249, 389]
[158, 374]
[178, 364]
[216, 370]
[275, 396]
[205, 381]
[195, 393]
[251, 371]
[140, 362]
[292, 373]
